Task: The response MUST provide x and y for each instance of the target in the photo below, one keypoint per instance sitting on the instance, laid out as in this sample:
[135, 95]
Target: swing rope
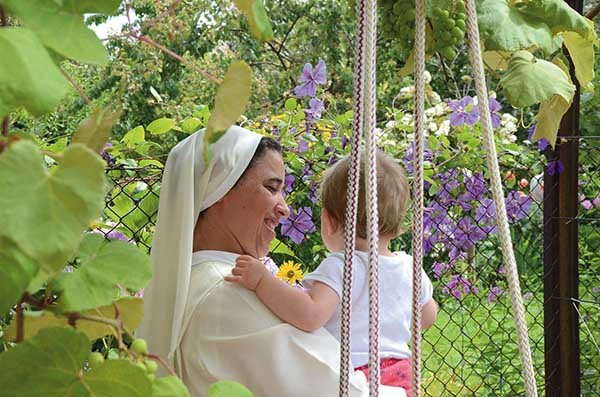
[498, 196]
[418, 187]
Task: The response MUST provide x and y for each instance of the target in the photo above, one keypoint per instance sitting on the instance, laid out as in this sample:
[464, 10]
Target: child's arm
[306, 311]
[429, 314]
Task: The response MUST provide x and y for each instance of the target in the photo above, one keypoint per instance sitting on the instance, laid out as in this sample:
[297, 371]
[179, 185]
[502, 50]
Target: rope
[371, 202]
[352, 199]
[417, 226]
[496, 186]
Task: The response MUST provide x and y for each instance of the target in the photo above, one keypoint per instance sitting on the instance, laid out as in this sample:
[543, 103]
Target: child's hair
[393, 194]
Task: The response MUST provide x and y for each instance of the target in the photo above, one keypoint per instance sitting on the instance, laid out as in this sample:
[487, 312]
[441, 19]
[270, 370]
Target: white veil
[188, 187]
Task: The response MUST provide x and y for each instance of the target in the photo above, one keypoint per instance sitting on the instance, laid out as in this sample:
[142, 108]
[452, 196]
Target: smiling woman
[209, 214]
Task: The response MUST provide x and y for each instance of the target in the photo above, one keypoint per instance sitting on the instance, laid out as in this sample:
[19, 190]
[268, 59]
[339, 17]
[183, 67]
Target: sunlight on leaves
[548, 118]
[582, 54]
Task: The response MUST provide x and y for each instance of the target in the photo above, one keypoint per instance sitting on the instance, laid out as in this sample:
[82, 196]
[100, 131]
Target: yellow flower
[290, 272]
[326, 136]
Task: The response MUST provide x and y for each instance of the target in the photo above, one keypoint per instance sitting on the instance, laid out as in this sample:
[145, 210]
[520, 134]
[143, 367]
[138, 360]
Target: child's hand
[248, 272]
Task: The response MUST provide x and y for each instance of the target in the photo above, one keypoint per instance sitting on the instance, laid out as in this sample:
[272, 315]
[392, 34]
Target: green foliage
[16, 271]
[104, 268]
[24, 60]
[169, 386]
[49, 20]
[53, 361]
[226, 388]
[94, 131]
[45, 219]
[260, 26]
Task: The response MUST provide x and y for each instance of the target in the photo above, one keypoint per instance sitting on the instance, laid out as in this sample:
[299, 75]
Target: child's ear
[330, 223]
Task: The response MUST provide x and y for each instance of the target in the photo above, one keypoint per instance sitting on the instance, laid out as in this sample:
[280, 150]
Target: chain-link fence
[472, 348]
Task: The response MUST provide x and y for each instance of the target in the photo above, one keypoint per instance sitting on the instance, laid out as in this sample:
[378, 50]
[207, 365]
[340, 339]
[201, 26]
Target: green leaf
[231, 100]
[52, 362]
[582, 54]
[496, 60]
[147, 162]
[279, 247]
[134, 137]
[61, 29]
[109, 7]
[16, 272]
[226, 388]
[259, 23]
[290, 104]
[409, 66]
[548, 118]
[105, 267]
[191, 125]
[160, 126]
[505, 27]
[23, 61]
[45, 213]
[94, 131]
[529, 81]
[131, 310]
[169, 386]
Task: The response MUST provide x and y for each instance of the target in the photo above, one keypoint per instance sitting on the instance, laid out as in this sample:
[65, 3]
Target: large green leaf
[45, 213]
[582, 54]
[134, 137]
[529, 81]
[51, 364]
[28, 76]
[95, 130]
[227, 388]
[161, 126]
[59, 29]
[548, 118]
[16, 272]
[231, 100]
[105, 267]
[108, 7]
[505, 27]
[131, 311]
[169, 386]
[259, 23]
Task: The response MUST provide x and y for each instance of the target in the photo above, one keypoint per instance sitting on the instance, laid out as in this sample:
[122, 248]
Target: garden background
[160, 84]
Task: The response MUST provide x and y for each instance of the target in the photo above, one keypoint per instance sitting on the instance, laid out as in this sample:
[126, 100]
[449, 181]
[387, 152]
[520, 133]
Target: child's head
[393, 195]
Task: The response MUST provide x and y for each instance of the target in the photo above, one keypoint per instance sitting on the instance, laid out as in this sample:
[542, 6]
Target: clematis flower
[463, 112]
[555, 167]
[310, 79]
[494, 108]
[542, 142]
[298, 224]
[315, 108]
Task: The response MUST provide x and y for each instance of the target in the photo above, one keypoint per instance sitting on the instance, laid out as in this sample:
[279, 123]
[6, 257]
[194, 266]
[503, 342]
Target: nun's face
[255, 206]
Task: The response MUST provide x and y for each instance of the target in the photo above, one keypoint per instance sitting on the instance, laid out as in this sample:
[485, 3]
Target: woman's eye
[272, 189]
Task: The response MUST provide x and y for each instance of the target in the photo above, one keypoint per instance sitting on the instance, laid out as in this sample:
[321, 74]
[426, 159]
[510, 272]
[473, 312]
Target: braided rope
[371, 197]
[418, 186]
[352, 199]
[498, 195]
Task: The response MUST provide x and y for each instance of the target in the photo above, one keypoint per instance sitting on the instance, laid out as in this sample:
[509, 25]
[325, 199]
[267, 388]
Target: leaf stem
[148, 40]
[163, 362]
[3, 17]
[77, 87]
[20, 322]
[5, 125]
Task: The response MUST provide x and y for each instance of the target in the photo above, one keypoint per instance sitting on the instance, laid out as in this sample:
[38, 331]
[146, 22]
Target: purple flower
[467, 234]
[555, 167]
[298, 224]
[587, 204]
[542, 142]
[310, 79]
[463, 112]
[302, 146]
[315, 108]
[495, 293]
[475, 188]
[439, 268]
[528, 295]
[306, 172]
[409, 157]
[494, 108]
[116, 235]
[517, 205]
[312, 192]
[344, 141]
[289, 182]
[459, 286]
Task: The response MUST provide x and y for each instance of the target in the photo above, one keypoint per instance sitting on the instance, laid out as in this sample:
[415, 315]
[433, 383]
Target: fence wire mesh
[472, 348]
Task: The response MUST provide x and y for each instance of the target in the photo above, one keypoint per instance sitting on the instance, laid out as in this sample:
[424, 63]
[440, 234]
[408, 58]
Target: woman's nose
[282, 208]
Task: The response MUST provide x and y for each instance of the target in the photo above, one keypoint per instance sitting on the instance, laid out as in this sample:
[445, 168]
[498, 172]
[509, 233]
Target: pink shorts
[394, 372]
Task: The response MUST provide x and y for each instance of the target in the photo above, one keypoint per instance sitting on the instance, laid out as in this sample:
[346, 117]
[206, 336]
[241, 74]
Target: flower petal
[320, 75]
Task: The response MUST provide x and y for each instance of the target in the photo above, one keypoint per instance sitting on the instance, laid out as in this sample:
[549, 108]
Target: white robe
[230, 335]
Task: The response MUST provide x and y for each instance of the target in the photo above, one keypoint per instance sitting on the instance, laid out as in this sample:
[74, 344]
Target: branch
[3, 17]
[160, 16]
[77, 87]
[5, 125]
[593, 12]
[20, 322]
[181, 59]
